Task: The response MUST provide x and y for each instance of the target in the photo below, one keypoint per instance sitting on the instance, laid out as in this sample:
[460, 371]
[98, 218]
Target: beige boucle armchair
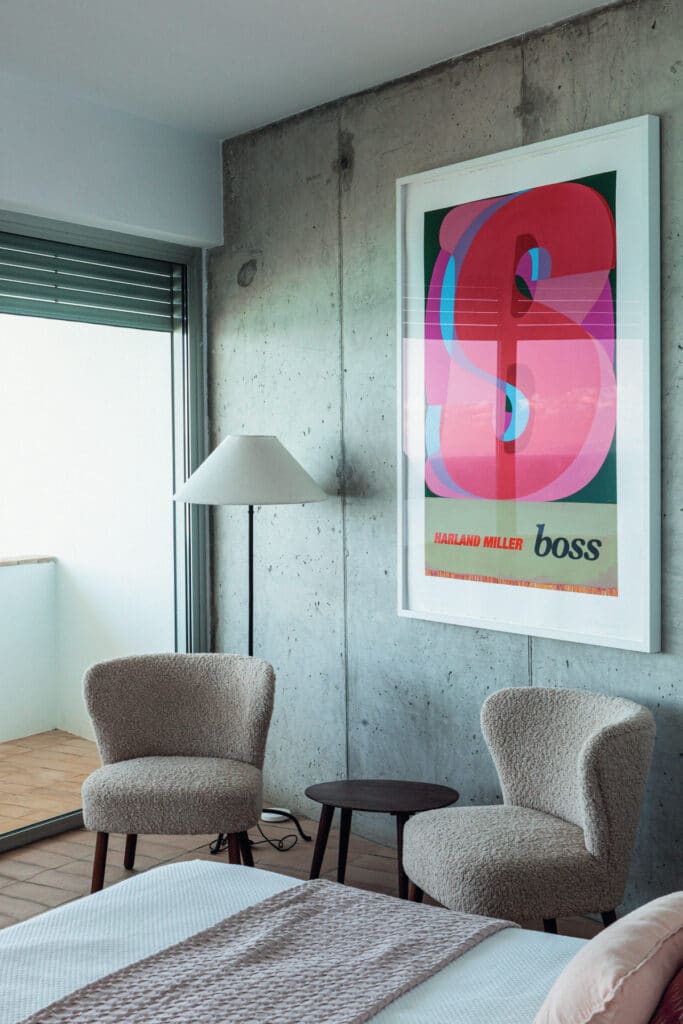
[182, 739]
[572, 767]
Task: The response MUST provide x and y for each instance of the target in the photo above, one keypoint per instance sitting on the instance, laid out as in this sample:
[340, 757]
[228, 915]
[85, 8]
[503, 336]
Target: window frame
[190, 440]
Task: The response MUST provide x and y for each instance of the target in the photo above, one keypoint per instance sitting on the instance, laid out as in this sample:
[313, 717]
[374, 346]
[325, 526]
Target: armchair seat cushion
[173, 796]
[503, 861]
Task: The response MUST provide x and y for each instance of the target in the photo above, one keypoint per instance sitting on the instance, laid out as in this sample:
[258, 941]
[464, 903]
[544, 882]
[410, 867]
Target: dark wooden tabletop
[386, 796]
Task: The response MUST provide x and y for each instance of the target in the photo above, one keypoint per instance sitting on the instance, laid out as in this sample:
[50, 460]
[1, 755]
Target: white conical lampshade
[250, 469]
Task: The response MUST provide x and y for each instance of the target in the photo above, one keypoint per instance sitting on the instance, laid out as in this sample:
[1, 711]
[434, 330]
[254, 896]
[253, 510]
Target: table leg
[344, 833]
[326, 816]
[401, 819]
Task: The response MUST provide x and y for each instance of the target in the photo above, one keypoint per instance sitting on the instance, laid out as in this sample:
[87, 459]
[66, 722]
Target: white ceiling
[221, 67]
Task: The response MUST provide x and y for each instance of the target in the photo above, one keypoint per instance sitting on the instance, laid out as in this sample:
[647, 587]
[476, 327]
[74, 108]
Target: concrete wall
[76, 161]
[302, 342]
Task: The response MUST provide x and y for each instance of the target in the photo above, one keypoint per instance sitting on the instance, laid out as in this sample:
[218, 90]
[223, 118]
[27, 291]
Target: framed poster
[528, 332]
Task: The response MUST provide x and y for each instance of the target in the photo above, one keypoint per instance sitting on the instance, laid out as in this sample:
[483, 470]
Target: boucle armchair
[572, 767]
[182, 739]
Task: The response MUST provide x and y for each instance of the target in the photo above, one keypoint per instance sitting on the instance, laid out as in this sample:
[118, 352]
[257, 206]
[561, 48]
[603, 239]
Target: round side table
[383, 796]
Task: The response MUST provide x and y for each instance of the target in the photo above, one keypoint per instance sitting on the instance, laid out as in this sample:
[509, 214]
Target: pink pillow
[670, 1010]
[620, 975]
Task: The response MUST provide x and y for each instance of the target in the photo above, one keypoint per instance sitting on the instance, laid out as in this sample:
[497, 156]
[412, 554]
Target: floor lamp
[251, 469]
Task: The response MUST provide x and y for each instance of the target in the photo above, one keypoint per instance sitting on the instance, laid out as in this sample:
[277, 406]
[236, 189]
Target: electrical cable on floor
[281, 845]
[219, 844]
[277, 844]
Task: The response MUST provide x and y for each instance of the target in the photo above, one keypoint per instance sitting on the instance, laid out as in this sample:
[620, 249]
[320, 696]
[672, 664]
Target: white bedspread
[501, 981]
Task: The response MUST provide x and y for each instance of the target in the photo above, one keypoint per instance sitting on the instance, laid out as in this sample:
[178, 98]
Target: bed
[503, 980]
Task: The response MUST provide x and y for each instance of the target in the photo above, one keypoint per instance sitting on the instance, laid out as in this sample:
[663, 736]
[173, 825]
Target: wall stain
[537, 105]
[344, 164]
[247, 273]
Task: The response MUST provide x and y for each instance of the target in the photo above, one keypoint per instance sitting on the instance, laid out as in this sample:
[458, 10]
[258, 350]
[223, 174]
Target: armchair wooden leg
[415, 893]
[234, 848]
[99, 861]
[608, 917]
[129, 853]
[245, 850]
[550, 925]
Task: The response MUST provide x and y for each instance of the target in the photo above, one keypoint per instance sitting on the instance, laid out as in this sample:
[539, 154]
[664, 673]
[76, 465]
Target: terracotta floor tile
[8, 824]
[6, 880]
[71, 766]
[221, 858]
[17, 869]
[78, 884]
[84, 838]
[76, 743]
[66, 793]
[48, 738]
[22, 789]
[179, 842]
[372, 886]
[116, 842]
[365, 846]
[142, 861]
[63, 848]
[298, 855]
[83, 868]
[380, 880]
[289, 869]
[30, 818]
[43, 894]
[10, 810]
[11, 747]
[374, 862]
[43, 774]
[31, 798]
[35, 776]
[19, 909]
[33, 854]
[157, 851]
[67, 787]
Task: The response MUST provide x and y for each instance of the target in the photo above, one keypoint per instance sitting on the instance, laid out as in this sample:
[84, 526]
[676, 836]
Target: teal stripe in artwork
[447, 303]
[519, 416]
[432, 429]
[534, 264]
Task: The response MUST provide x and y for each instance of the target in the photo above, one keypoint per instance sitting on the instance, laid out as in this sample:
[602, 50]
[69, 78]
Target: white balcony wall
[29, 695]
[86, 475]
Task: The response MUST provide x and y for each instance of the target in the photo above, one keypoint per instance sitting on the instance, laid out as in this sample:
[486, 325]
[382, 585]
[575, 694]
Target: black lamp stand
[221, 841]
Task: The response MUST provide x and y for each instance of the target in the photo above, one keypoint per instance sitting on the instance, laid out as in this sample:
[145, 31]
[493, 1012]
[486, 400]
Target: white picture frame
[451, 393]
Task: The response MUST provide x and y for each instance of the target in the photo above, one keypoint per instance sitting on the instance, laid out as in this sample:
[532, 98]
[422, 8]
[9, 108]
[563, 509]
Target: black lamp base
[221, 841]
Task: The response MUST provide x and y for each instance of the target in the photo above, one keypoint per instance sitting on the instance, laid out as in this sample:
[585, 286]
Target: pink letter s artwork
[520, 339]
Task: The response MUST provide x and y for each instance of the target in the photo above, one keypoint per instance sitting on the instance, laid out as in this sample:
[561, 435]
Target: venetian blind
[68, 282]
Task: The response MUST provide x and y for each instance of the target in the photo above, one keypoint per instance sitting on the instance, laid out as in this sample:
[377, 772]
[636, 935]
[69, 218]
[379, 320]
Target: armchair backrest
[580, 756]
[195, 705]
